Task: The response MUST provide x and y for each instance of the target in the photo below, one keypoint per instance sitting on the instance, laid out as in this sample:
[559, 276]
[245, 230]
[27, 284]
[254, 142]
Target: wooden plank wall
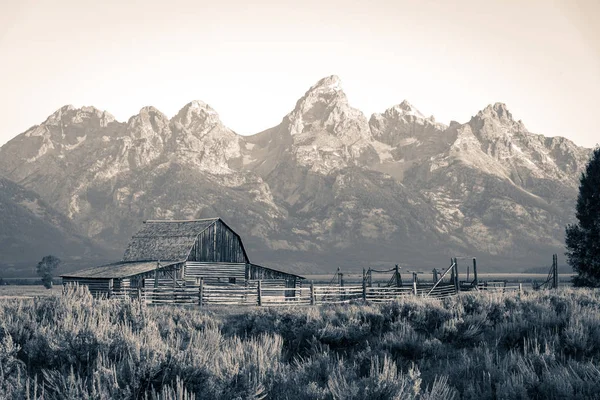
[218, 244]
[98, 287]
[216, 272]
[256, 272]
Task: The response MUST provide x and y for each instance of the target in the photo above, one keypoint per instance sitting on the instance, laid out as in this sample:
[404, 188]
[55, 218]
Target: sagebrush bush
[473, 346]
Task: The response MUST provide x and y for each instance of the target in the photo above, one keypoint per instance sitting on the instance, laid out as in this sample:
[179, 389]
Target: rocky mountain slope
[30, 230]
[327, 187]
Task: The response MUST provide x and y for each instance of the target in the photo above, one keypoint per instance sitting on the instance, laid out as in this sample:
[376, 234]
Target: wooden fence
[254, 293]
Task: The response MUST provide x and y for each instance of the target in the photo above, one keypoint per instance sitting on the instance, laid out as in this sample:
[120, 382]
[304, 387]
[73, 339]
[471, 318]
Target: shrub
[537, 345]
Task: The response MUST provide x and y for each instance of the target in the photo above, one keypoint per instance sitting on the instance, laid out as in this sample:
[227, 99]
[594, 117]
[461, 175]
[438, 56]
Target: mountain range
[326, 188]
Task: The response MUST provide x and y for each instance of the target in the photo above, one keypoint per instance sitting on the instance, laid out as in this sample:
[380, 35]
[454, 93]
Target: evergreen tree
[583, 238]
[46, 268]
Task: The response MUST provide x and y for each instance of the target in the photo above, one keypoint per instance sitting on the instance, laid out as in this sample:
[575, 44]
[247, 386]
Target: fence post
[364, 286]
[520, 287]
[110, 288]
[201, 292]
[259, 293]
[312, 293]
[457, 280]
[475, 281]
[452, 272]
[555, 271]
[415, 283]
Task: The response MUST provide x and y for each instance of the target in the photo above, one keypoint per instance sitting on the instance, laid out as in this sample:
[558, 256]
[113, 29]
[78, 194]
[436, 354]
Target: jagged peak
[150, 109]
[79, 113]
[196, 115]
[497, 111]
[67, 107]
[146, 114]
[405, 105]
[198, 107]
[329, 83]
[327, 90]
[405, 108]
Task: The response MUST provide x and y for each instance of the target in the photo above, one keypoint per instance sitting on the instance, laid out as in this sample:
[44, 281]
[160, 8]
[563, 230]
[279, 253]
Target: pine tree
[45, 269]
[583, 238]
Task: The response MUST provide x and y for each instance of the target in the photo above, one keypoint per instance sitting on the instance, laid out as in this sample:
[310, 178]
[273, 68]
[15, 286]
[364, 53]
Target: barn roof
[165, 240]
[119, 270]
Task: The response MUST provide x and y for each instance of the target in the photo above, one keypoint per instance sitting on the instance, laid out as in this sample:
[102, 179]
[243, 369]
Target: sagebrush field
[539, 345]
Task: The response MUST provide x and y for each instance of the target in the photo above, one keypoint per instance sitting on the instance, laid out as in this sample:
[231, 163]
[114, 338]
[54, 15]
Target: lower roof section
[119, 270]
[124, 269]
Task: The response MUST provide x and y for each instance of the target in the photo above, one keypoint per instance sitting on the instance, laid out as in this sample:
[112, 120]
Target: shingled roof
[165, 240]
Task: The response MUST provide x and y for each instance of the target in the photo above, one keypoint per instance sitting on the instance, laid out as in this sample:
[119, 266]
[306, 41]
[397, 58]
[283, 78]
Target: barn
[178, 253]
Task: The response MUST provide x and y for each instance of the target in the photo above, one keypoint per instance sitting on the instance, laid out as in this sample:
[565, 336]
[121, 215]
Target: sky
[251, 61]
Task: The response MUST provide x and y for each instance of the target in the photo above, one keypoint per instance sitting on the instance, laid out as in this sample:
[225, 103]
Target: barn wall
[258, 272]
[281, 279]
[218, 243]
[216, 272]
[97, 287]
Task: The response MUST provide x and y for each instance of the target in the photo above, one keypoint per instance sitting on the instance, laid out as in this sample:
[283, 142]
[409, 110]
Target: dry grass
[536, 345]
[28, 291]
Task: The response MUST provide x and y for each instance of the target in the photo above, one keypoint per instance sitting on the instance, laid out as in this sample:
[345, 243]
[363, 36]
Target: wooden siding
[97, 287]
[216, 272]
[218, 243]
[256, 272]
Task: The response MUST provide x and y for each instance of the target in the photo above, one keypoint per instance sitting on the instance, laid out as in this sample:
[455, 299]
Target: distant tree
[583, 238]
[46, 268]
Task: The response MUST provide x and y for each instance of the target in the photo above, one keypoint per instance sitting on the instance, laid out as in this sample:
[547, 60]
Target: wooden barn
[179, 253]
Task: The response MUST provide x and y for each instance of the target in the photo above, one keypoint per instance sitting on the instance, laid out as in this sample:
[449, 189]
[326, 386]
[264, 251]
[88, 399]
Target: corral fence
[314, 294]
[255, 293]
[277, 292]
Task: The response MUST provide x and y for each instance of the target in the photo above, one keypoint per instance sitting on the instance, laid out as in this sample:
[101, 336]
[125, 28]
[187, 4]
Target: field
[538, 345]
[25, 291]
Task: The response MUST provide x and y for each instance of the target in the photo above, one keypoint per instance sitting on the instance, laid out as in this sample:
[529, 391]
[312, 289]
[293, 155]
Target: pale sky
[251, 61]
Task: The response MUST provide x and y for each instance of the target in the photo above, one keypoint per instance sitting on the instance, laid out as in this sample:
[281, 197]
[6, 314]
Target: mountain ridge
[326, 180]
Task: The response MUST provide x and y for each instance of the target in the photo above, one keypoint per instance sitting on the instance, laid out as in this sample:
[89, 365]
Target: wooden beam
[414, 283]
[456, 278]
[364, 286]
[475, 280]
[451, 268]
[259, 293]
[201, 292]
